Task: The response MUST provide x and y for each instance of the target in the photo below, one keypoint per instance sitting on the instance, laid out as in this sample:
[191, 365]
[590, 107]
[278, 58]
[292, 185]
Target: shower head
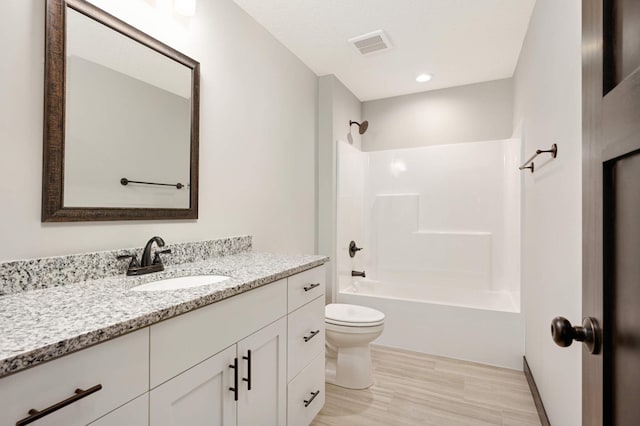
[363, 126]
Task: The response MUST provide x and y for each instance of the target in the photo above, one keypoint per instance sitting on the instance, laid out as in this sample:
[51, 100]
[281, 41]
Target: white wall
[352, 165]
[336, 107]
[257, 134]
[476, 112]
[548, 104]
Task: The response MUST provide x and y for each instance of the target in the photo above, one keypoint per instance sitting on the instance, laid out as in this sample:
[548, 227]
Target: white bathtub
[453, 296]
[475, 325]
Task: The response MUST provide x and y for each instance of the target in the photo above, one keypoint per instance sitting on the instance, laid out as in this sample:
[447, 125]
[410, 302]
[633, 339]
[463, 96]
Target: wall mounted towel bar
[529, 163]
[125, 181]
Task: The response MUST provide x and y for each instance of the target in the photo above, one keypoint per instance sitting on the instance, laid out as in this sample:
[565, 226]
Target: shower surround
[440, 227]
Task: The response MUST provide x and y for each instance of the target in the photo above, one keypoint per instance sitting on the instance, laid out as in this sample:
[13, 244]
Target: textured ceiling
[458, 41]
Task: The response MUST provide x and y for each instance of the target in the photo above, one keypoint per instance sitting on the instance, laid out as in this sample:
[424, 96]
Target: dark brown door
[611, 209]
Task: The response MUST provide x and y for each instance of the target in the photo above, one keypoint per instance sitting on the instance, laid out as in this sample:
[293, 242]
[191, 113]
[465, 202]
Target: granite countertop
[40, 325]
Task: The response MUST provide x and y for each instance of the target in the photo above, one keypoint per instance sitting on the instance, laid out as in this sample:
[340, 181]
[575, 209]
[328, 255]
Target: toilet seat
[341, 314]
[358, 329]
[353, 324]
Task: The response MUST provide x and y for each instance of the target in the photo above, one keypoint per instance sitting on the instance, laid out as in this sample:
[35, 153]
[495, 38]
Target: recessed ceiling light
[423, 78]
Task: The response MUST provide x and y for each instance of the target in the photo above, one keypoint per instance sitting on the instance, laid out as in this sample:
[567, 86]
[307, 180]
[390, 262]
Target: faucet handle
[156, 258]
[134, 260]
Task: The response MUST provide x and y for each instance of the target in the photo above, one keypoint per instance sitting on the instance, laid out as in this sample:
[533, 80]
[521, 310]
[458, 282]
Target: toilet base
[349, 367]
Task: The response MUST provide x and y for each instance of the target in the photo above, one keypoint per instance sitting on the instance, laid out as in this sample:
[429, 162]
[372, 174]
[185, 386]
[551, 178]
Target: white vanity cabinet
[306, 340]
[186, 340]
[306, 393]
[256, 358]
[134, 413]
[244, 384]
[215, 354]
[280, 366]
[117, 371]
[199, 396]
[263, 376]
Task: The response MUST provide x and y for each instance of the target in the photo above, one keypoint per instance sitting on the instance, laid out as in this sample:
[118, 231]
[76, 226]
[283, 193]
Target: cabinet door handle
[311, 286]
[78, 395]
[234, 389]
[313, 396]
[311, 336]
[248, 378]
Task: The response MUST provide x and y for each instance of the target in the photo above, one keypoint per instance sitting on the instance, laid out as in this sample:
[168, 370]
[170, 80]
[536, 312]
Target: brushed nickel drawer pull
[311, 336]
[35, 414]
[311, 286]
[313, 396]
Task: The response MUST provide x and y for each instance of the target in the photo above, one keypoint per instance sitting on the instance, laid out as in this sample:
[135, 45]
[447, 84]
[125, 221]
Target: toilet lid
[343, 314]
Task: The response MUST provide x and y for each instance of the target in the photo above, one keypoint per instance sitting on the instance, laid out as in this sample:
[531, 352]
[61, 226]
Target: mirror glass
[128, 115]
[121, 121]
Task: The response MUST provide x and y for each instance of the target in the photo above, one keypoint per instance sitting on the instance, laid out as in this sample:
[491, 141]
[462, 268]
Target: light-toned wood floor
[417, 389]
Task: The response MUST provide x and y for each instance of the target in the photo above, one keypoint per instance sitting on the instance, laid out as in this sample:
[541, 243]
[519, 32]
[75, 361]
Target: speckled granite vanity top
[41, 324]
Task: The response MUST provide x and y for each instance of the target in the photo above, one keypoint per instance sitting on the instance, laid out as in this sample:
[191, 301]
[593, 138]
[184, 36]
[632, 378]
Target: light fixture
[423, 78]
[185, 7]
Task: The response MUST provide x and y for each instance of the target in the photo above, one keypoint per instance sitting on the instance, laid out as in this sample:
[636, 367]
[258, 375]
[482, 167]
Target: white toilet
[349, 330]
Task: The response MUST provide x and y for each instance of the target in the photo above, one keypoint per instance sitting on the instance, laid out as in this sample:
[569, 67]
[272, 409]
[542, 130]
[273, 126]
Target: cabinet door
[199, 396]
[263, 363]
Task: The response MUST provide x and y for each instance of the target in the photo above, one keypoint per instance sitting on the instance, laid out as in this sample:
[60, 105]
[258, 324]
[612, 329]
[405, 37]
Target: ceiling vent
[375, 41]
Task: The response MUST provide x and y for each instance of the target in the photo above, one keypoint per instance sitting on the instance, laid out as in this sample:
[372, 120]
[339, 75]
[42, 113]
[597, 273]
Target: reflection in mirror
[125, 118]
[121, 121]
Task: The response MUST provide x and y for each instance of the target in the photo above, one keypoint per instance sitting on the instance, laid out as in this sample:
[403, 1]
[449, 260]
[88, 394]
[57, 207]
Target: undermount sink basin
[181, 283]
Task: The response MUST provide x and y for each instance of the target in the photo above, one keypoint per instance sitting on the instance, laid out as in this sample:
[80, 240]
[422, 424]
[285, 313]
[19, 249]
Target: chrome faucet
[358, 274]
[146, 266]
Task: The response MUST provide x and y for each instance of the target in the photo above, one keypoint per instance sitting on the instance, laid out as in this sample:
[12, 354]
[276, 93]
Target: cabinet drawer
[306, 286]
[301, 408]
[134, 413]
[182, 342]
[120, 366]
[305, 322]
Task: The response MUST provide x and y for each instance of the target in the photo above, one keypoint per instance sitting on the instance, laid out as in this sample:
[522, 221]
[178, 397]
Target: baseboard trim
[536, 395]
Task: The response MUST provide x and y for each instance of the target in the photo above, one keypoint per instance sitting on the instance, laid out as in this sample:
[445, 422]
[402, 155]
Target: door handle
[589, 333]
[78, 395]
[311, 335]
[248, 378]
[311, 286]
[234, 389]
[310, 400]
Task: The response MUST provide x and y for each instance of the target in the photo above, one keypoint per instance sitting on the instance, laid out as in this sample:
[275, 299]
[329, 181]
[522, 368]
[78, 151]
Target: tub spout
[358, 274]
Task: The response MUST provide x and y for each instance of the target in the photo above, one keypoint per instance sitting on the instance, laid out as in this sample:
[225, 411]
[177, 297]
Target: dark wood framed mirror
[121, 119]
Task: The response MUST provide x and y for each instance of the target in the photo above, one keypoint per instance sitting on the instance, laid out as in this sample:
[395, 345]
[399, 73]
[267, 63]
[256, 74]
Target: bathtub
[453, 296]
[463, 323]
